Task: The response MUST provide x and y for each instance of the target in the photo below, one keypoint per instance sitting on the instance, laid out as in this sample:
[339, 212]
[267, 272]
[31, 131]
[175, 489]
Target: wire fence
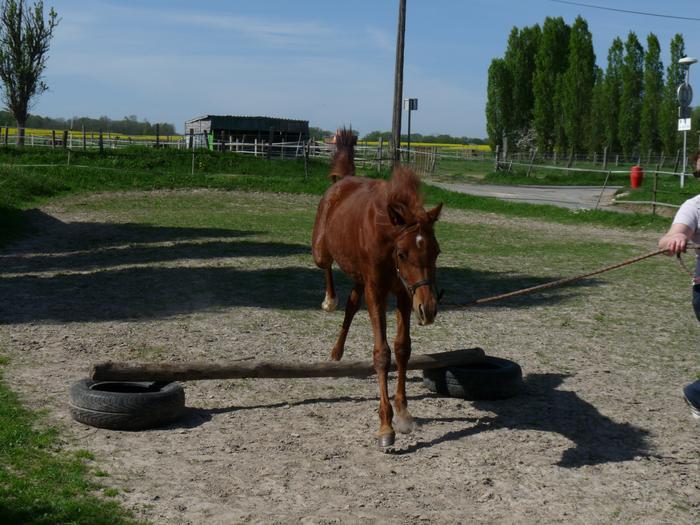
[423, 159]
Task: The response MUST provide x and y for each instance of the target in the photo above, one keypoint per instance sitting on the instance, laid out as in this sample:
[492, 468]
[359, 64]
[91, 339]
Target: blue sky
[328, 62]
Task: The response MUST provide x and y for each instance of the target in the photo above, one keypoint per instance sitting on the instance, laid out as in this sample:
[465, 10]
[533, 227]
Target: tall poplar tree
[520, 60]
[578, 85]
[631, 95]
[550, 64]
[596, 128]
[668, 116]
[613, 89]
[650, 138]
[498, 102]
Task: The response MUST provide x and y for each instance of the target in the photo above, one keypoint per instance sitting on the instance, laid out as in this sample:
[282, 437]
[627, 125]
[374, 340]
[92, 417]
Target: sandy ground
[598, 435]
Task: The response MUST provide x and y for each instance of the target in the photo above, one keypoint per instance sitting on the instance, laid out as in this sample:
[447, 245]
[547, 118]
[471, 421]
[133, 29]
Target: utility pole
[398, 84]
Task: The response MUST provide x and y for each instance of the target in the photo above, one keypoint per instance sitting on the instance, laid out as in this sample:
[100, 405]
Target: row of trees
[442, 138]
[130, 125]
[547, 92]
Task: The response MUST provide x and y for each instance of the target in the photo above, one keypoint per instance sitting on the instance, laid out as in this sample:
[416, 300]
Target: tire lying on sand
[123, 405]
[494, 378]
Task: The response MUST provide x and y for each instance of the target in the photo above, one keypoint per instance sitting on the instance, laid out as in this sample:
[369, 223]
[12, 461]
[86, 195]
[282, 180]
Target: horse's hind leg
[351, 308]
[330, 302]
[403, 422]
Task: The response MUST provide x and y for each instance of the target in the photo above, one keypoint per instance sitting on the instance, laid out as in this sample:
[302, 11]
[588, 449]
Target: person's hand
[676, 243]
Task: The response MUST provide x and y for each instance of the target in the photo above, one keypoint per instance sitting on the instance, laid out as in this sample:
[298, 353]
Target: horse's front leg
[376, 306]
[402, 351]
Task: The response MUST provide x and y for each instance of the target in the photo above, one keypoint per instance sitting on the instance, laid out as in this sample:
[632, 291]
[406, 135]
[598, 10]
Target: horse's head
[415, 252]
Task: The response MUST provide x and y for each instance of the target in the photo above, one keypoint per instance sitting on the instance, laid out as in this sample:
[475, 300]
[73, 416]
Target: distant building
[213, 128]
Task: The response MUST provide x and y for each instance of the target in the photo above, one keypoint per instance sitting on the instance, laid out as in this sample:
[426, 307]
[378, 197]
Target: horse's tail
[343, 164]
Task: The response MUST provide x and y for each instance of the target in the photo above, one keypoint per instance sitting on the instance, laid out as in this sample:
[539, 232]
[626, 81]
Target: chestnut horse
[380, 235]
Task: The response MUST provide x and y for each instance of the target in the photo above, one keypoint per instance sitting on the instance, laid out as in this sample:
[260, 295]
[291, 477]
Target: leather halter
[411, 288]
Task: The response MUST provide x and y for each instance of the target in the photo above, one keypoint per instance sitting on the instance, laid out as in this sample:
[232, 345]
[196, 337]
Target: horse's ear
[434, 214]
[398, 214]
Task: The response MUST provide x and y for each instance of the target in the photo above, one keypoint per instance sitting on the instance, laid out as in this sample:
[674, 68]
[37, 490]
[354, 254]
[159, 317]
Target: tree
[578, 84]
[520, 60]
[550, 64]
[25, 35]
[631, 95]
[596, 128]
[613, 89]
[498, 102]
[653, 95]
[668, 115]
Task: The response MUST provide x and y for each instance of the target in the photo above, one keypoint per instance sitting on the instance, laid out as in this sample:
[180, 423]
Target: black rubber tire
[495, 378]
[123, 405]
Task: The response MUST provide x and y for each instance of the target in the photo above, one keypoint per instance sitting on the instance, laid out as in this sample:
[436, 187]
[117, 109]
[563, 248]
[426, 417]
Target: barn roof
[246, 123]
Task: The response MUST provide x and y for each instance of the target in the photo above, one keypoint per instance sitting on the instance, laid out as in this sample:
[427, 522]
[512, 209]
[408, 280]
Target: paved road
[582, 197]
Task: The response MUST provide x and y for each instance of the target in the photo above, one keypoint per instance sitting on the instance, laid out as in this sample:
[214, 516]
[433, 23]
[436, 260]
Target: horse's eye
[402, 256]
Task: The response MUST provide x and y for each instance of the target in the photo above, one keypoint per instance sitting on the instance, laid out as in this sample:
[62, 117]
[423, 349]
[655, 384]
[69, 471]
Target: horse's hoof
[329, 304]
[404, 425]
[386, 440]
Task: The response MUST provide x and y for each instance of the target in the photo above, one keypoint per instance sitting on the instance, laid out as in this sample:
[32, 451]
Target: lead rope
[567, 280]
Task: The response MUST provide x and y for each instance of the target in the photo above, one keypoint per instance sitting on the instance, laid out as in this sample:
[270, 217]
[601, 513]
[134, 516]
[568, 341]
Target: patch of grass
[149, 169]
[40, 485]
[543, 177]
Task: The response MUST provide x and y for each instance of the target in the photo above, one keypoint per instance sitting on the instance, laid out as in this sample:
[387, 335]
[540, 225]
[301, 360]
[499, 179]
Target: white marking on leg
[404, 422]
[329, 304]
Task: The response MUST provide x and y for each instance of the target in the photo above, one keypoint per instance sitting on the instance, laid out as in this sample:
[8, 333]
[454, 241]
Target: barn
[213, 128]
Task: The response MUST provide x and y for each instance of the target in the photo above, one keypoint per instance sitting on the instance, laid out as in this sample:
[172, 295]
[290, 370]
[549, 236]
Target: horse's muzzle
[425, 308]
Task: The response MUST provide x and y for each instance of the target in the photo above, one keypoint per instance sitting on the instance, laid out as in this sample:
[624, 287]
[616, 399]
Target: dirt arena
[599, 434]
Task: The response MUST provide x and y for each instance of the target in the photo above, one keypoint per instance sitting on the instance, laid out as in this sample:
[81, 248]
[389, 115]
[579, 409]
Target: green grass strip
[40, 485]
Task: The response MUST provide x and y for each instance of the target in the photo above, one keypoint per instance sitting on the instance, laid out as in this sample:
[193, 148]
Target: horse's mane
[343, 164]
[404, 188]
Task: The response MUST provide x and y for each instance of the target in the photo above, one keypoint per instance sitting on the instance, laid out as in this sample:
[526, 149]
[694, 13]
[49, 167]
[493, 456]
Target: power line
[625, 10]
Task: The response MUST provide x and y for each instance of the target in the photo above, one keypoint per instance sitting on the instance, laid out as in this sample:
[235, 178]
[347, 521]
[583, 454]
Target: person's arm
[676, 238]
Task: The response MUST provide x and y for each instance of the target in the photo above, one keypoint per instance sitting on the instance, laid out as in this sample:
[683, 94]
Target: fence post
[571, 158]
[605, 158]
[53, 138]
[157, 135]
[532, 160]
[653, 191]
[100, 143]
[602, 190]
[678, 158]
[65, 138]
[381, 153]
[496, 157]
[7, 133]
[617, 159]
[306, 159]
[255, 148]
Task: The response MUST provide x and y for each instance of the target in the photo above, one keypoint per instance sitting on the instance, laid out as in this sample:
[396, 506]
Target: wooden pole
[380, 153]
[654, 189]
[605, 158]
[532, 161]
[114, 371]
[398, 83]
